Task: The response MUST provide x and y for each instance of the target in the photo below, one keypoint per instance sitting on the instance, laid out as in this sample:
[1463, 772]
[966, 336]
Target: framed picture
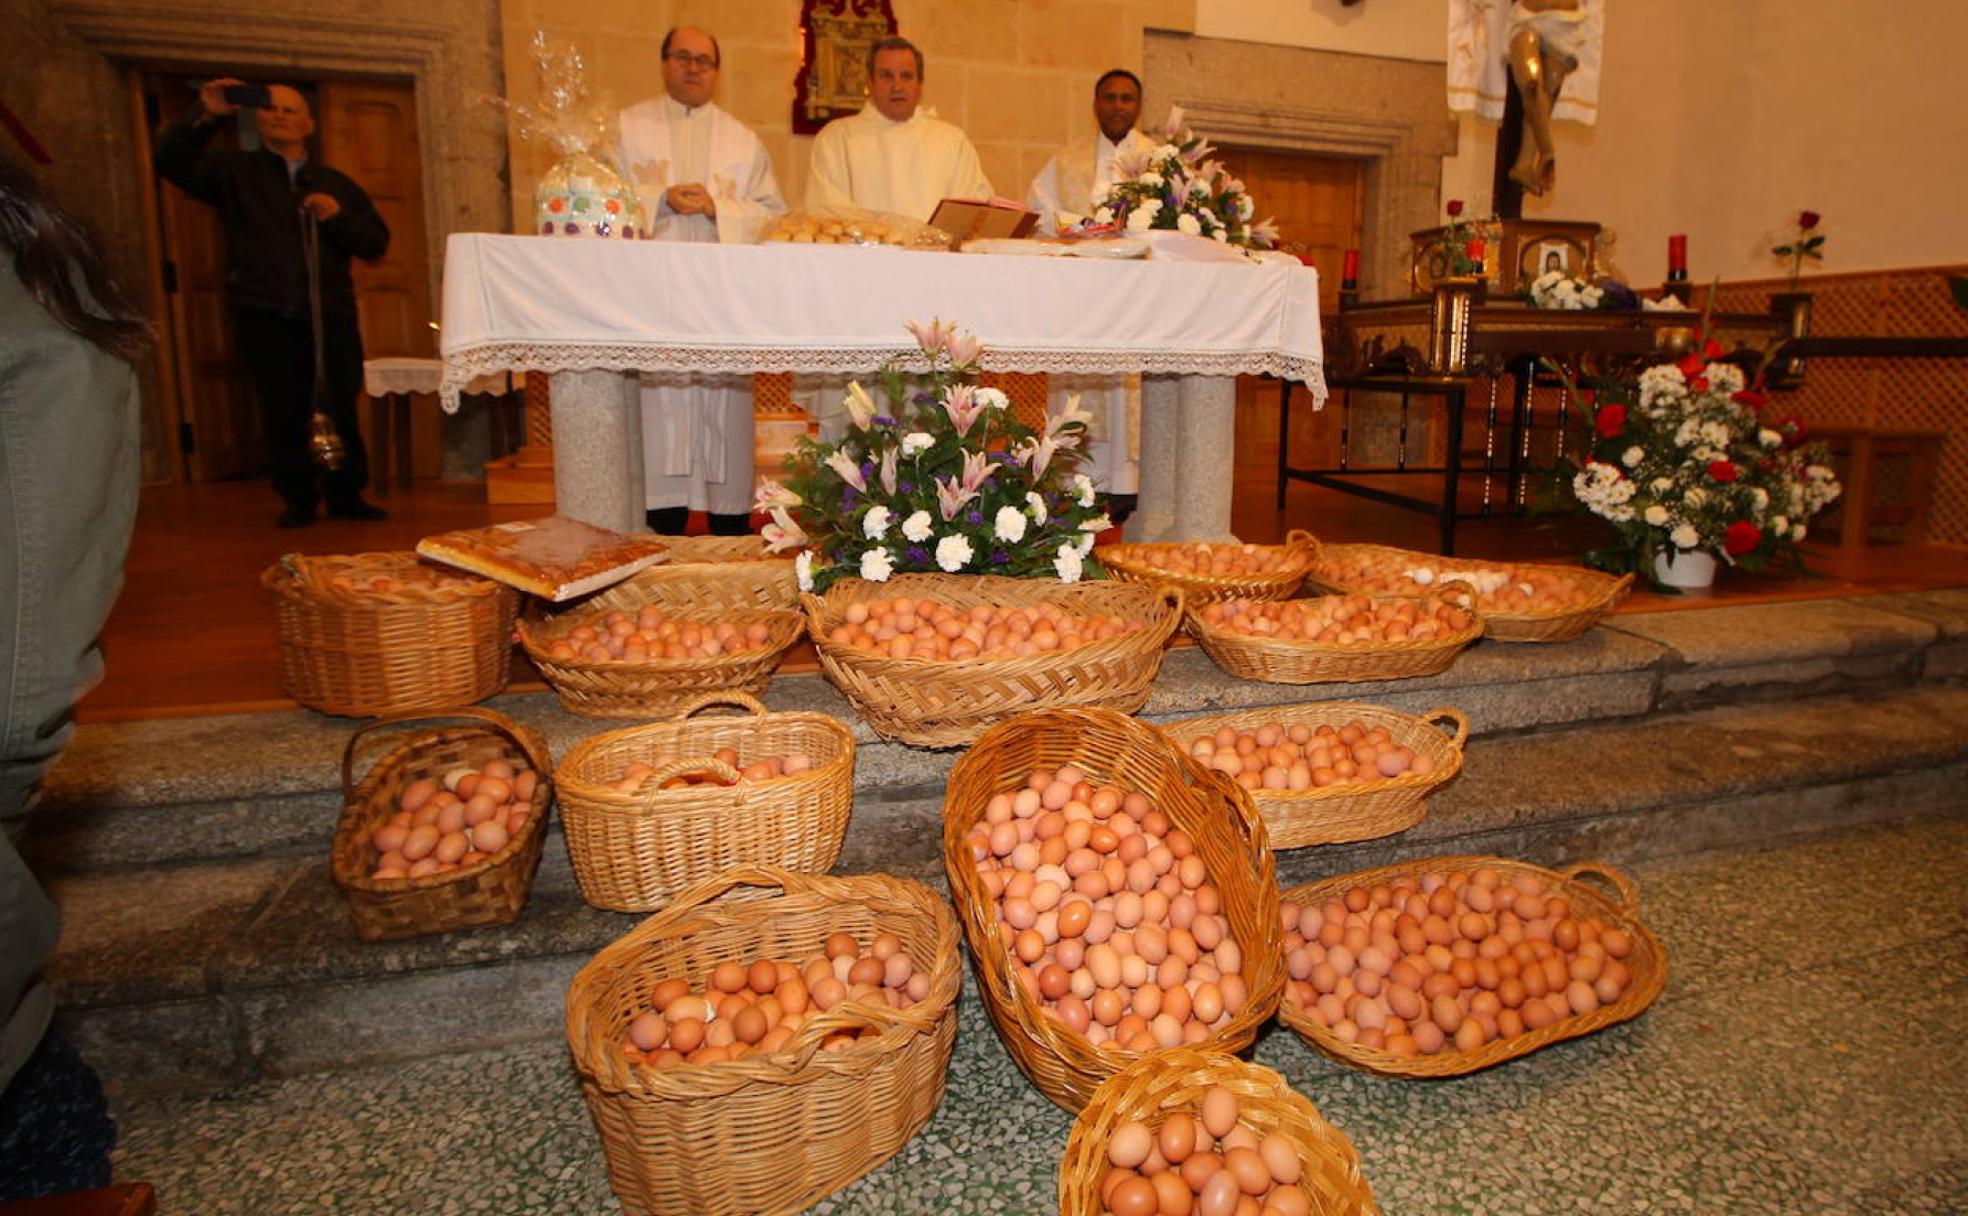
[832, 81]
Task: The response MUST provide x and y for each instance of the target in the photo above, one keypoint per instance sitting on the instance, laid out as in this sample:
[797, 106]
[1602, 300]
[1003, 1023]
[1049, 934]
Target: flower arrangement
[1556, 289]
[1807, 243]
[1682, 460]
[1459, 251]
[1173, 184]
[948, 479]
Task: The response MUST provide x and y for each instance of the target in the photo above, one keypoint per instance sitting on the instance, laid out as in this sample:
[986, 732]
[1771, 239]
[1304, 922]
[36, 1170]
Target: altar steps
[189, 855]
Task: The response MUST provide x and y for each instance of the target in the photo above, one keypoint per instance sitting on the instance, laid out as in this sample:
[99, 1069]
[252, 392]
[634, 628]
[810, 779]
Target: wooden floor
[193, 630]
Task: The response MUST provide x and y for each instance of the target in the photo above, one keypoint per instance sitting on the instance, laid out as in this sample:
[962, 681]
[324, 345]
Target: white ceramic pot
[1685, 568]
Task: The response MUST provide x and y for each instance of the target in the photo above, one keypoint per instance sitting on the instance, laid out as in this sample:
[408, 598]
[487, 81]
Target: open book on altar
[972, 219]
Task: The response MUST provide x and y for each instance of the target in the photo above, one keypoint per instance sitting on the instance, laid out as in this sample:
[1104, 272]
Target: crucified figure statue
[1542, 51]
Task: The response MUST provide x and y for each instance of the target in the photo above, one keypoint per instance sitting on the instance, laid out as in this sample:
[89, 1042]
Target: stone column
[1205, 468]
[1154, 512]
[597, 449]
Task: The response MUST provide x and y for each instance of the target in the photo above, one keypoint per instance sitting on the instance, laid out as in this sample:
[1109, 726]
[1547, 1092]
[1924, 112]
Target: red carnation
[1807, 219]
[1751, 398]
[1792, 429]
[1691, 366]
[1741, 537]
[1712, 350]
[1610, 420]
[1722, 470]
[1455, 207]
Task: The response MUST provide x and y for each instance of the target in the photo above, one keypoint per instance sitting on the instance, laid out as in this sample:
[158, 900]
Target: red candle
[1475, 248]
[1677, 252]
[1351, 274]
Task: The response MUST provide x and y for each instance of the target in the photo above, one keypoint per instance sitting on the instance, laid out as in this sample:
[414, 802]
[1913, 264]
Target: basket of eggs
[380, 633]
[1333, 638]
[709, 572]
[649, 810]
[1330, 772]
[932, 659]
[1118, 898]
[1194, 1130]
[754, 1050]
[445, 830]
[1448, 965]
[1209, 572]
[1518, 601]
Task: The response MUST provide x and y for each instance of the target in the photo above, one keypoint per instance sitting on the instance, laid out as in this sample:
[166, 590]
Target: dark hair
[58, 264]
[716, 50]
[893, 43]
[1113, 72]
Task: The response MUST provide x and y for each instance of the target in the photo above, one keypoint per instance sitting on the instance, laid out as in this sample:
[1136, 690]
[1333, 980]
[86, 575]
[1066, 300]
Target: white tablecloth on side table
[387, 374]
[589, 311]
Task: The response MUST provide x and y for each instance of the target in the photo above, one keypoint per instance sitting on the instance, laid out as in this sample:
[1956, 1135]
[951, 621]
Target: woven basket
[1599, 593]
[1167, 1082]
[1335, 814]
[656, 688]
[938, 703]
[1280, 661]
[1139, 563]
[1648, 963]
[709, 572]
[632, 852]
[359, 654]
[766, 1133]
[1110, 748]
[487, 892]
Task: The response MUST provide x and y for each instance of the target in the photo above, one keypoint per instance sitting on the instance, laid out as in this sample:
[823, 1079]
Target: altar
[592, 313]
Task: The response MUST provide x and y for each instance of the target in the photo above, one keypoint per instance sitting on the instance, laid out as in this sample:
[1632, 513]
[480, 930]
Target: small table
[1862, 447]
[390, 382]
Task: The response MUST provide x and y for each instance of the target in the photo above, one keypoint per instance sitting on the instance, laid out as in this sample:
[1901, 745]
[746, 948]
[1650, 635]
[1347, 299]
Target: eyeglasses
[684, 59]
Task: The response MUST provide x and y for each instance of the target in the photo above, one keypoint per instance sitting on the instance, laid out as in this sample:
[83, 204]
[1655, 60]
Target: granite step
[186, 790]
[247, 966]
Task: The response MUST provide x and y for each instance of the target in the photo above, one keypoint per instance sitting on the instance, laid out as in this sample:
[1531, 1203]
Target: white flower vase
[1688, 569]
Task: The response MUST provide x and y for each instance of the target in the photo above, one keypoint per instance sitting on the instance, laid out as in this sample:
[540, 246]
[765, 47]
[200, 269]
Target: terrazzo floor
[1804, 1059]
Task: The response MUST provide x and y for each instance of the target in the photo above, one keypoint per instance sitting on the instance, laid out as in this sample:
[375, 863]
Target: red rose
[1691, 366]
[1751, 398]
[1610, 421]
[1792, 429]
[1712, 350]
[1807, 219]
[1741, 537]
[1699, 384]
[1722, 470]
[1455, 207]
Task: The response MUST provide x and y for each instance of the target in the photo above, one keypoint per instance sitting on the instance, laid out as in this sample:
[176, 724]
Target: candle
[1677, 252]
[1351, 274]
[1475, 249]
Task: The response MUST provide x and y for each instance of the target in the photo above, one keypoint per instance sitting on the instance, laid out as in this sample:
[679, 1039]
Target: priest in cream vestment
[703, 176]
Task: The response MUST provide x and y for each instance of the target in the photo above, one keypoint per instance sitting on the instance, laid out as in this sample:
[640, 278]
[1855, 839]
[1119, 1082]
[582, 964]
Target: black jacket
[266, 268]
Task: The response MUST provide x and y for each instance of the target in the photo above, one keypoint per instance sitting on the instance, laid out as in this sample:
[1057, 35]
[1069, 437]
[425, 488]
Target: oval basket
[657, 688]
[937, 703]
[632, 852]
[1648, 963]
[362, 653]
[1278, 661]
[1339, 567]
[1335, 814]
[1163, 1083]
[1141, 563]
[709, 572]
[765, 1133]
[488, 892]
[1110, 748]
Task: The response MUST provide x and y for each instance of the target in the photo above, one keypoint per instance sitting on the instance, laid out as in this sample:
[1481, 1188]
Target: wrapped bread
[555, 558]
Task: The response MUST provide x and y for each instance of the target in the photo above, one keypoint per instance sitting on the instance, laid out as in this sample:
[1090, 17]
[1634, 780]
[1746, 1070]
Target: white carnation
[1724, 377]
[1656, 515]
[1009, 526]
[803, 569]
[874, 525]
[1759, 496]
[917, 441]
[1189, 224]
[1099, 523]
[916, 527]
[953, 553]
[1695, 497]
[1148, 177]
[1036, 502]
[1083, 485]
[1797, 533]
[877, 565]
[992, 397]
[1661, 485]
[1780, 524]
[1769, 438]
[1141, 219]
[1085, 545]
[1068, 562]
[1685, 536]
[1632, 457]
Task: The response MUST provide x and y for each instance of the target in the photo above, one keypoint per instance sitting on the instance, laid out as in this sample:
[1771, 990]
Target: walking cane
[324, 441]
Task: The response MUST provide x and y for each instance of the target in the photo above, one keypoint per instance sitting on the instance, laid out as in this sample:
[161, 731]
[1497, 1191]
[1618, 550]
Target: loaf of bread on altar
[854, 226]
[555, 558]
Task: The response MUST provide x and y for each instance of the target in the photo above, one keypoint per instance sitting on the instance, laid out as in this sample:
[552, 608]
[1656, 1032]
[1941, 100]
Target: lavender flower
[917, 555]
[976, 517]
[884, 420]
[908, 487]
[1000, 559]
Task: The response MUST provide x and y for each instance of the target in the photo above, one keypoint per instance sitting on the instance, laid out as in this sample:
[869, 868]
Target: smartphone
[249, 96]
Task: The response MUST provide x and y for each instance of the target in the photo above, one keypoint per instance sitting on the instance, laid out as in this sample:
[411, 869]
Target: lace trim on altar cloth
[462, 367]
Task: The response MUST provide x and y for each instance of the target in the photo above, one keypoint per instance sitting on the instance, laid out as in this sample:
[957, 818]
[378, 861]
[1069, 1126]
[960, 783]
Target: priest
[894, 155]
[702, 176]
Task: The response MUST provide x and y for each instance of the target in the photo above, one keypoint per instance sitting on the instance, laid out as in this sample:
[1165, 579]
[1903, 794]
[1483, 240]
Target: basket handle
[491, 717]
[1299, 538]
[1629, 895]
[816, 611]
[745, 701]
[682, 768]
[848, 1015]
[705, 890]
[1443, 713]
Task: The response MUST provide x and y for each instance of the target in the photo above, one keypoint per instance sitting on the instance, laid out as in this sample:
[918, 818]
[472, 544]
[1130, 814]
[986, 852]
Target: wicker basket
[709, 572]
[632, 852]
[487, 892]
[1110, 748]
[937, 703]
[766, 1133]
[1335, 814]
[359, 654]
[1648, 963]
[1280, 661]
[656, 688]
[1599, 593]
[1138, 563]
[1166, 1082]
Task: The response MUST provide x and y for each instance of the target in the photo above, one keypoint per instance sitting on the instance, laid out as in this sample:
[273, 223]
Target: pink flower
[888, 470]
[843, 464]
[964, 349]
[976, 467]
[782, 533]
[962, 406]
[934, 337]
[951, 497]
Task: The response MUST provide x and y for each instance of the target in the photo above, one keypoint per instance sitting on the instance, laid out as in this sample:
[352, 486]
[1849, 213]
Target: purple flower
[917, 555]
[923, 398]
[908, 487]
[999, 559]
[867, 468]
[884, 420]
[976, 517]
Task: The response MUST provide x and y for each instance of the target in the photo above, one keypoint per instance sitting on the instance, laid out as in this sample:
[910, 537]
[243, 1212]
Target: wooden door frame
[164, 351]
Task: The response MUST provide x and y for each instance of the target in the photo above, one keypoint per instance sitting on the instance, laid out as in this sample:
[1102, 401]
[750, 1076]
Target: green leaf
[1814, 242]
[1782, 251]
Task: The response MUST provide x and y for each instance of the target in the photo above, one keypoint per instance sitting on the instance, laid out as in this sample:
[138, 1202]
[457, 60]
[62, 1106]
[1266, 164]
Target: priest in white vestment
[702, 176]
[894, 155]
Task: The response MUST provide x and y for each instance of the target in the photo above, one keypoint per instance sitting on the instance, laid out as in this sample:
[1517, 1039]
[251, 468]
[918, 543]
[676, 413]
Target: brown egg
[1134, 1196]
[1253, 1177]
[729, 976]
[750, 1024]
[1130, 1144]
[1177, 1139]
[1219, 1196]
[1219, 1111]
[647, 1031]
[866, 970]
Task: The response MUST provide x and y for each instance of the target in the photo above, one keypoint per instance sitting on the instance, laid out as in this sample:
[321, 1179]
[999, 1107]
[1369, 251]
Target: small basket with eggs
[1482, 960]
[1199, 1130]
[1209, 572]
[709, 572]
[445, 831]
[1048, 815]
[781, 1082]
[649, 810]
[1518, 601]
[1333, 638]
[380, 633]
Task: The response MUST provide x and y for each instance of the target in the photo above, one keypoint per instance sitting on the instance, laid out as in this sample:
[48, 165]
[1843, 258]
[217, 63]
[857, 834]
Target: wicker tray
[633, 851]
[1165, 1082]
[766, 1133]
[1599, 593]
[936, 703]
[487, 892]
[709, 572]
[656, 688]
[1229, 836]
[1335, 814]
[1648, 963]
[367, 653]
[1277, 661]
[1137, 563]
